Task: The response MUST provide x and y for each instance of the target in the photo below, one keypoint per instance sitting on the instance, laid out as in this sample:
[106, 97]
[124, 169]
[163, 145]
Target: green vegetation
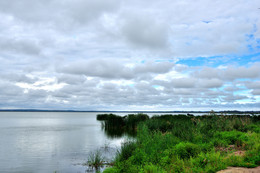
[184, 143]
[117, 126]
[95, 159]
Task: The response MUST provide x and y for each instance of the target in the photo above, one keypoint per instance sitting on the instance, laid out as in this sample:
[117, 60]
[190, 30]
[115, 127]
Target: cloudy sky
[130, 54]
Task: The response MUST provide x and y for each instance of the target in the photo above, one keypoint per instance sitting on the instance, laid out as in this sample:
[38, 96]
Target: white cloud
[113, 54]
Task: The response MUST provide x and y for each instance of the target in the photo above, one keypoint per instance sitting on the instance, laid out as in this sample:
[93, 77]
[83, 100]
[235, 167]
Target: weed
[95, 159]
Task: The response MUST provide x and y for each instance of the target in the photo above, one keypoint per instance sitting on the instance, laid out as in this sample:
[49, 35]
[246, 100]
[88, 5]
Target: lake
[46, 142]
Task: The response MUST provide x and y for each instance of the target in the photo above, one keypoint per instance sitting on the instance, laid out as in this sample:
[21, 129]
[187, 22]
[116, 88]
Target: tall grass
[116, 126]
[95, 159]
[191, 144]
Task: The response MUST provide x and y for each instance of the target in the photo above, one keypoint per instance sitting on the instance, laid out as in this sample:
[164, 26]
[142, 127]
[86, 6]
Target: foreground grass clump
[95, 159]
[190, 144]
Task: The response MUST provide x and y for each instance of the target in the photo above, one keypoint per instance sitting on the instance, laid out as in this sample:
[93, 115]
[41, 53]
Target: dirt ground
[240, 170]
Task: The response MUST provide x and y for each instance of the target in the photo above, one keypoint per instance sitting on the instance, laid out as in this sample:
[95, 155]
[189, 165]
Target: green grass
[95, 159]
[189, 143]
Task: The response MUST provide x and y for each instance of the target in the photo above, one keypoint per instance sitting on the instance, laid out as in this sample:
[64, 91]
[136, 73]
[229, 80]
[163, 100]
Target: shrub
[253, 156]
[208, 162]
[152, 169]
[178, 165]
[231, 137]
[186, 150]
[126, 151]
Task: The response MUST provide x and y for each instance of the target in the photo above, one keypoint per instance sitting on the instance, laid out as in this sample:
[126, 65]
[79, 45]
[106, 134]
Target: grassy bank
[190, 144]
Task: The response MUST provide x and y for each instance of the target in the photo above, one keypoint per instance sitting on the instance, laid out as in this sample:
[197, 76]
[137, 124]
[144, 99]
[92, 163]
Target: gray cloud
[109, 68]
[8, 90]
[17, 46]
[210, 83]
[145, 32]
[12, 77]
[191, 83]
[230, 73]
[183, 83]
[71, 79]
[232, 98]
[60, 12]
[252, 85]
[256, 92]
[115, 54]
[98, 68]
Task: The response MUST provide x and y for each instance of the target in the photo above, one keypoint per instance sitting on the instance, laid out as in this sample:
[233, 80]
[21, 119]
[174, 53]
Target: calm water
[46, 142]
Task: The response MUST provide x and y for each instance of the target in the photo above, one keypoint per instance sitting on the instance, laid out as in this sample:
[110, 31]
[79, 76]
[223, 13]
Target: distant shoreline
[186, 112]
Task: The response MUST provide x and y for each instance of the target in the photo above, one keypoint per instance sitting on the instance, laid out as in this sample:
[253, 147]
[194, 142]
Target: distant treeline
[136, 112]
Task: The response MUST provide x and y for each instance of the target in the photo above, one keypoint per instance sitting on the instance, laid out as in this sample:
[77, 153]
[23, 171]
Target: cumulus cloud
[145, 32]
[210, 83]
[8, 89]
[230, 72]
[101, 54]
[60, 12]
[19, 46]
[254, 86]
[109, 68]
[12, 77]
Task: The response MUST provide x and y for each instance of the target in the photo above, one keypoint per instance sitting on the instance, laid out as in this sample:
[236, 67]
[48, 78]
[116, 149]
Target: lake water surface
[46, 142]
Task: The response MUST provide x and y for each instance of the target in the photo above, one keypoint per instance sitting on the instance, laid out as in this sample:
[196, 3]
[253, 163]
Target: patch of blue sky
[215, 61]
[196, 61]
[248, 59]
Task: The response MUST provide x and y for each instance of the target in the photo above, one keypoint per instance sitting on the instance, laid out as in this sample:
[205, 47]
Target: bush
[253, 155]
[186, 150]
[208, 162]
[231, 137]
[152, 169]
[126, 151]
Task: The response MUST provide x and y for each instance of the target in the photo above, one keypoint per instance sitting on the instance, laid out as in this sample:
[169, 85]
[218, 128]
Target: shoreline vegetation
[184, 143]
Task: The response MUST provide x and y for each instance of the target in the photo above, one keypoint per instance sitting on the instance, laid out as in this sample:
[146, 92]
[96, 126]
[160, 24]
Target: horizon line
[135, 111]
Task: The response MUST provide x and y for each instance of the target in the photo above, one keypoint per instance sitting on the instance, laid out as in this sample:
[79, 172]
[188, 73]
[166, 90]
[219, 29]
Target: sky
[130, 55]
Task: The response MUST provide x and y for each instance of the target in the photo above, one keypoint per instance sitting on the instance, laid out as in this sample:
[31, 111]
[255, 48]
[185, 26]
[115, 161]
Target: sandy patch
[240, 170]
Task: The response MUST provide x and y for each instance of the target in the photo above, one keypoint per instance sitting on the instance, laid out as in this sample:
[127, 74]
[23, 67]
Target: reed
[186, 143]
